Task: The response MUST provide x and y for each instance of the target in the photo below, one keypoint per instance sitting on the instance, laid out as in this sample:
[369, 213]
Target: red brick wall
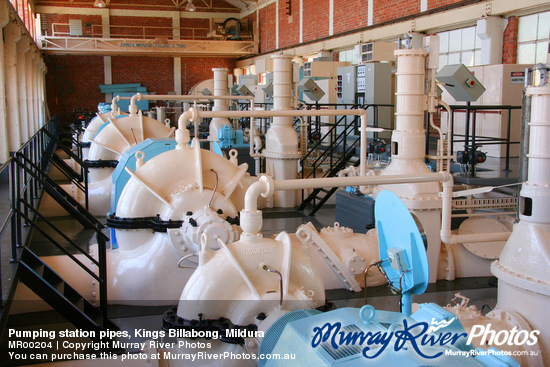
[432, 4]
[155, 73]
[267, 28]
[510, 42]
[85, 73]
[316, 18]
[195, 69]
[392, 9]
[289, 25]
[349, 15]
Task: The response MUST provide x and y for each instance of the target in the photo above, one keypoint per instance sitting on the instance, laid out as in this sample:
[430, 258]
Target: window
[459, 46]
[533, 38]
[348, 56]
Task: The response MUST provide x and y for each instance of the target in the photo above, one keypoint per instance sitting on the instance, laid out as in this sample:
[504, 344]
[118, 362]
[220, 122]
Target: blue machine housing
[294, 333]
[151, 148]
[230, 138]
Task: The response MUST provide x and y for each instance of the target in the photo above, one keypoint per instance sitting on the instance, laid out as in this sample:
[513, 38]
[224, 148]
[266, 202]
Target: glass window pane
[443, 41]
[455, 42]
[468, 38]
[477, 57]
[468, 58]
[454, 58]
[442, 60]
[542, 50]
[526, 53]
[544, 25]
[527, 30]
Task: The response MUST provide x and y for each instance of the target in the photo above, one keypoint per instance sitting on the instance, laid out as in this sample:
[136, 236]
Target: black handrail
[471, 140]
[28, 180]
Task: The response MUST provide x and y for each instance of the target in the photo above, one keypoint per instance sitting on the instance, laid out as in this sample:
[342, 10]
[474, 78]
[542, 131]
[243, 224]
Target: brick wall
[316, 19]
[267, 28]
[289, 25]
[85, 73]
[510, 43]
[392, 9]
[349, 15]
[432, 4]
[196, 69]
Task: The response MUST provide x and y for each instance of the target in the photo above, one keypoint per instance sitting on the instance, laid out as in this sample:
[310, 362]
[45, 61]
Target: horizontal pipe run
[317, 183]
[183, 97]
[281, 113]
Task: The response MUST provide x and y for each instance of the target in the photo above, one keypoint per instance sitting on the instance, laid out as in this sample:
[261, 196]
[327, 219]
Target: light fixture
[99, 4]
[190, 6]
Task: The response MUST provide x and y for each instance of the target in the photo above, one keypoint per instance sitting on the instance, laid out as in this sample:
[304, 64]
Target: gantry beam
[134, 47]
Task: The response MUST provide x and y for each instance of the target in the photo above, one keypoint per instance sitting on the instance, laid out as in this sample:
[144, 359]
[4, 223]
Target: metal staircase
[329, 159]
[29, 180]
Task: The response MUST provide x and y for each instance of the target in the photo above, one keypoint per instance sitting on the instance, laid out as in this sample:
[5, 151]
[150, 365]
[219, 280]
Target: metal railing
[470, 138]
[134, 32]
[29, 180]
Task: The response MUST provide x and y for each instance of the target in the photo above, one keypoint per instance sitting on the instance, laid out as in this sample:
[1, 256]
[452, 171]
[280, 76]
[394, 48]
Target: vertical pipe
[282, 149]
[523, 268]
[220, 89]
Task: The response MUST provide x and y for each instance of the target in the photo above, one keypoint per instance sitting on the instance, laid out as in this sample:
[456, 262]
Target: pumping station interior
[274, 183]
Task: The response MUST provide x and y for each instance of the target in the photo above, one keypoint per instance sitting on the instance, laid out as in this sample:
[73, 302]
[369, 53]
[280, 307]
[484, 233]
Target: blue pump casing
[151, 148]
[230, 138]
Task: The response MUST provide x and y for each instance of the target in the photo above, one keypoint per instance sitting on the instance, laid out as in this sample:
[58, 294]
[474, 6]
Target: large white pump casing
[233, 283]
[523, 270]
[109, 144]
[145, 266]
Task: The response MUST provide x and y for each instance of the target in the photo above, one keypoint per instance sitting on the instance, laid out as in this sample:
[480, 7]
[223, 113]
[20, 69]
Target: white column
[22, 70]
[220, 89]
[30, 56]
[282, 149]
[423, 5]
[4, 141]
[12, 34]
[491, 32]
[331, 17]
[176, 24]
[42, 93]
[370, 12]
[107, 67]
[276, 24]
[301, 21]
[35, 86]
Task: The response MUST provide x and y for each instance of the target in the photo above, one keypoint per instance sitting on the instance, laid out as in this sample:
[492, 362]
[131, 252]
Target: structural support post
[30, 60]
[4, 142]
[12, 34]
[22, 74]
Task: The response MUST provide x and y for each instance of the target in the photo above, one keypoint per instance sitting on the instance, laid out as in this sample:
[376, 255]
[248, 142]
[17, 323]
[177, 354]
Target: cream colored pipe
[453, 239]
[293, 113]
[185, 97]
[251, 217]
